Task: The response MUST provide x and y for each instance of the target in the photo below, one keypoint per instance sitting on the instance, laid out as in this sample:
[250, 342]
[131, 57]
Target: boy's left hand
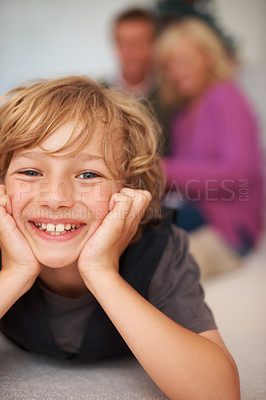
[102, 251]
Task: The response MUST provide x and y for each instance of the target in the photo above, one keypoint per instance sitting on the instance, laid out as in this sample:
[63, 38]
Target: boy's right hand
[17, 255]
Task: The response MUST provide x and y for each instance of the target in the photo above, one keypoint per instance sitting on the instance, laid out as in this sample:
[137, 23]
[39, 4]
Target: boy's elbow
[221, 388]
[226, 386]
[234, 388]
[231, 382]
[221, 383]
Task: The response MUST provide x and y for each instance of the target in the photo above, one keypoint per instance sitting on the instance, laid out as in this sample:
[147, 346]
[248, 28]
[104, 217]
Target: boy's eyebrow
[40, 154]
[86, 157]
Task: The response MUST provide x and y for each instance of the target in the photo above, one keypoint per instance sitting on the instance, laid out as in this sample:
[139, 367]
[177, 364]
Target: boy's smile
[56, 230]
[59, 202]
[57, 227]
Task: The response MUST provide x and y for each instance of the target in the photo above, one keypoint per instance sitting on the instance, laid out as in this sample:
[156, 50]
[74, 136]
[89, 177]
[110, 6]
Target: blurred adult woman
[214, 162]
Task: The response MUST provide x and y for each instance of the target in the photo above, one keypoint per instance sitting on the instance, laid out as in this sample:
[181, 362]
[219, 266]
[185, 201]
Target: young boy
[85, 271]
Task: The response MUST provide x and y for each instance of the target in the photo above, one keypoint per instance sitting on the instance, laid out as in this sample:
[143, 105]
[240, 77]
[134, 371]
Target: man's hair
[32, 113]
[136, 14]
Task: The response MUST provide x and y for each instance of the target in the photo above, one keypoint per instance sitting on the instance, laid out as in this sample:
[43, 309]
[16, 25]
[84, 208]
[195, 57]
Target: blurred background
[47, 38]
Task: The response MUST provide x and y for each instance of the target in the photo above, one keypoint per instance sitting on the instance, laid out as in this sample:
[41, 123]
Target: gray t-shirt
[174, 289]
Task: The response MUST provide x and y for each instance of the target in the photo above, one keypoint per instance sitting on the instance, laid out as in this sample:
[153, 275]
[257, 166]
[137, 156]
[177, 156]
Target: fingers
[4, 201]
[120, 201]
[127, 208]
[140, 201]
[130, 202]
[2, 190]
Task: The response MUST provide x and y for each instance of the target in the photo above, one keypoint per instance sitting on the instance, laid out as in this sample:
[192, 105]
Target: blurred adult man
[134, 34]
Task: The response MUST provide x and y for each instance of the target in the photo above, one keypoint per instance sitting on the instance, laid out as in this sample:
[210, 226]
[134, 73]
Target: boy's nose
[58, 194]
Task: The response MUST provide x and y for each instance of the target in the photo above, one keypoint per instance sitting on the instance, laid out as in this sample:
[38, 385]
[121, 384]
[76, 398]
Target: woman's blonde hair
[32, 113]
[222, 67]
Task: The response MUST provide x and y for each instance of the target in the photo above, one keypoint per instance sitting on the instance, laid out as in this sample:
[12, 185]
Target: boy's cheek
[98, 203]
[103, 190]
[18, 191]
[99, 195]
[98, 207]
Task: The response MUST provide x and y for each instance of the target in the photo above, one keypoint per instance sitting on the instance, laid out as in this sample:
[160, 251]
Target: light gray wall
[245, 19]
[44, 38]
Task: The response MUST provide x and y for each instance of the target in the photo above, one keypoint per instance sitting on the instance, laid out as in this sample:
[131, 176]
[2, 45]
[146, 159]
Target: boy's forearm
[12, 287]
[183, 364]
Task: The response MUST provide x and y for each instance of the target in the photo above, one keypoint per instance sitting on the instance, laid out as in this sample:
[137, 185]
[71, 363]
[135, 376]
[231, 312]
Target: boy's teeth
[50, 227]
[57, 229]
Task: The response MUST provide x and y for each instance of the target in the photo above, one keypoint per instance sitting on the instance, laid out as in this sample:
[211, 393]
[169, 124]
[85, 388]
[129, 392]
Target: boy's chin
[57, 262]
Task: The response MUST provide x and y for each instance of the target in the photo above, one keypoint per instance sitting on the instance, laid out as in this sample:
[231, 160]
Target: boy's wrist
[17, 279]
[12, 287]
[27, 269]
[99, 278]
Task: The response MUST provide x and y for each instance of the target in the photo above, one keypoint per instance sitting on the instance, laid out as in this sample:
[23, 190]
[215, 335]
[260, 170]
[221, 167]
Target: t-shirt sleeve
[175, 288]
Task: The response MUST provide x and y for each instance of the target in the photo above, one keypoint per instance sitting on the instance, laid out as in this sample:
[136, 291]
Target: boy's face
[59, 202]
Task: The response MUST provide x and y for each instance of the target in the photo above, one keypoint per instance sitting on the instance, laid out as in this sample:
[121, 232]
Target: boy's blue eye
[87, 175]
[30, 172]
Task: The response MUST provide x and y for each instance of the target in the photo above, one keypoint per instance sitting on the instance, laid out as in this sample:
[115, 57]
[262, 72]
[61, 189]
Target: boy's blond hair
[32, 113]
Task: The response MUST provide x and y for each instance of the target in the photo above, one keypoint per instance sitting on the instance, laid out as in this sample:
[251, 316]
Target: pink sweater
[215, 163]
